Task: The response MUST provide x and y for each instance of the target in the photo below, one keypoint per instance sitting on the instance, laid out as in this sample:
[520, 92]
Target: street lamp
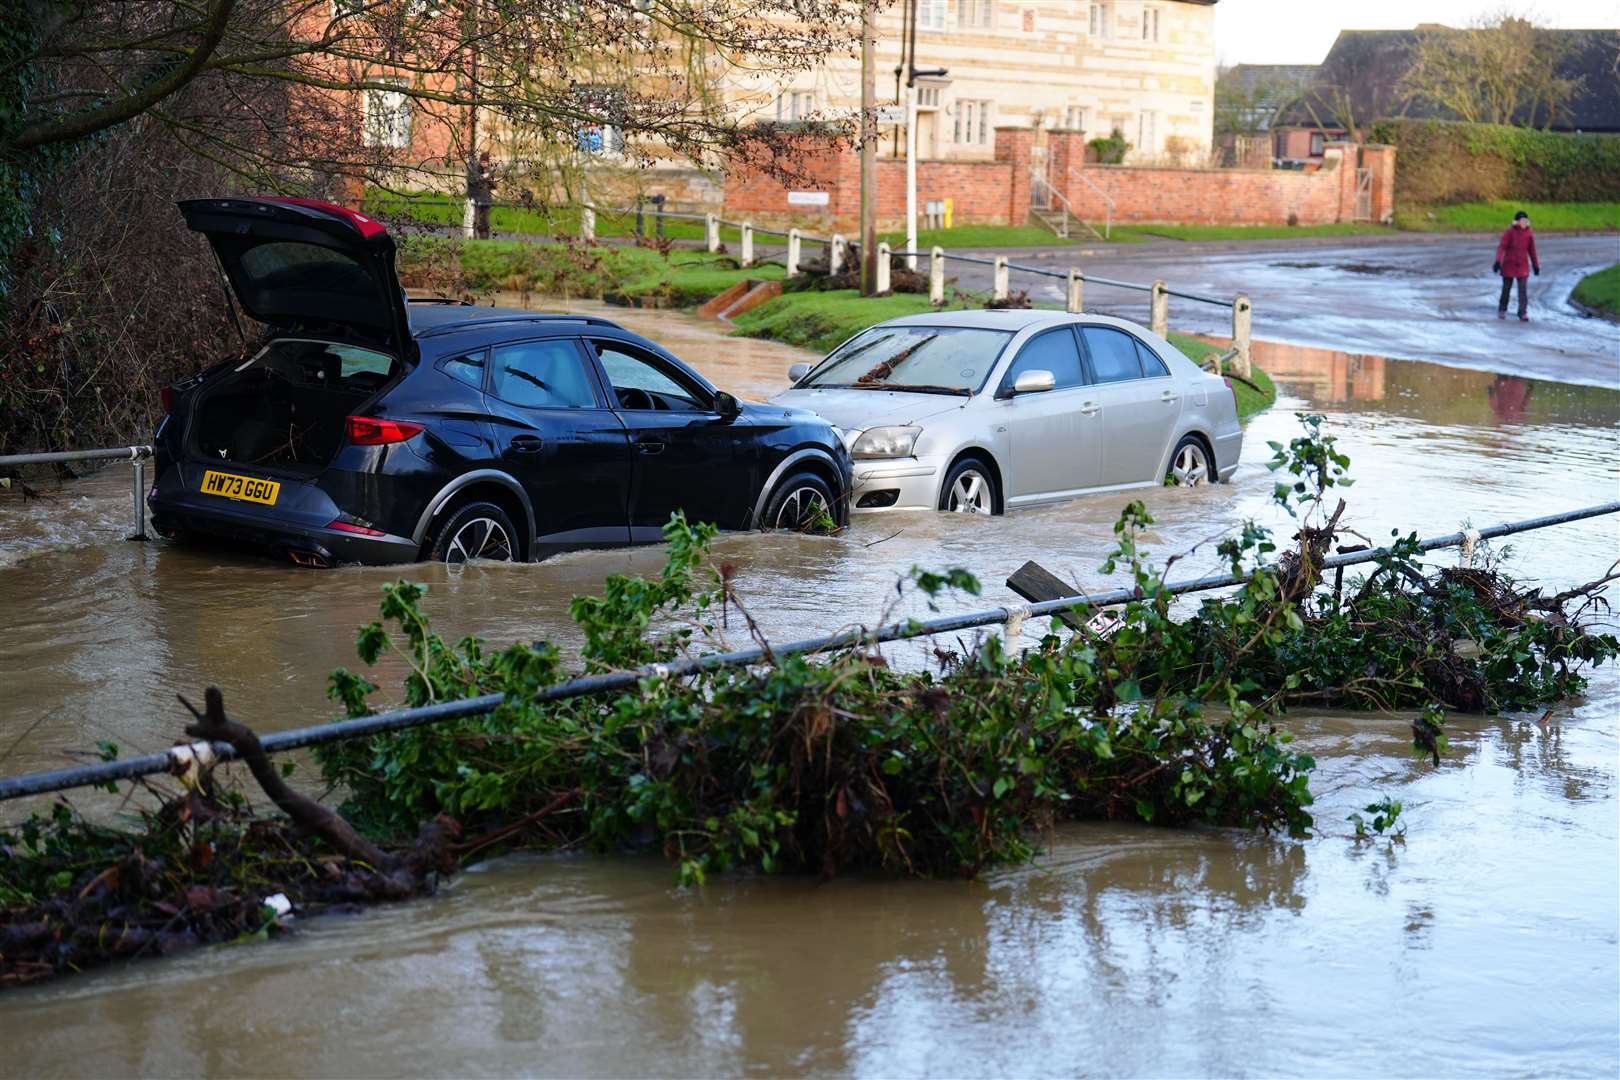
[911, 156]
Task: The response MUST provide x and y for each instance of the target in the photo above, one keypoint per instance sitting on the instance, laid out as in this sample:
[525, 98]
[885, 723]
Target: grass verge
[1600, 290]
[1245, 232]
[1498, 215]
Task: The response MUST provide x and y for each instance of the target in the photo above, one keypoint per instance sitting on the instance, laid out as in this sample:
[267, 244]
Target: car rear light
[168, 401]
[369, 431]
[351, 527]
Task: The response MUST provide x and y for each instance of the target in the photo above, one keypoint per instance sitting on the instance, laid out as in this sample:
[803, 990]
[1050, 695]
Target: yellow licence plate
[243, 488]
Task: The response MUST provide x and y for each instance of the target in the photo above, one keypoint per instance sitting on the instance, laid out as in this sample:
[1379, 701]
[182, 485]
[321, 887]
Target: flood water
[1487, 943]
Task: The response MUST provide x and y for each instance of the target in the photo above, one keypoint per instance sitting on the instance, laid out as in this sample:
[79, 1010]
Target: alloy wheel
[1191, 466]
[480, 538]
[801, 510]
[970, 494]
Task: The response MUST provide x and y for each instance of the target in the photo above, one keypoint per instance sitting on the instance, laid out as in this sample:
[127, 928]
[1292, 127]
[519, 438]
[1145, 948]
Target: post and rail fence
[137, 456]
[837, 250]
[176, 757]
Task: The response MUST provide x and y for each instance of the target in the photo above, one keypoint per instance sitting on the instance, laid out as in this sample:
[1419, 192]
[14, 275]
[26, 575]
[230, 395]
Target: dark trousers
[1507, 287]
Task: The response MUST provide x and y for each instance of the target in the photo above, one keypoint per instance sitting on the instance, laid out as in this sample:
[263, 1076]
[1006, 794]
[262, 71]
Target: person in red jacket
[1515, 257]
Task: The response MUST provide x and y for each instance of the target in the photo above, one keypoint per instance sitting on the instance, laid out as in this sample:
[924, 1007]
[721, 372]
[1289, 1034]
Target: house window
[1147, 131]
[931, 14]
[972, 126]
[928, 95]
[1318, 144]
[1074, 118]
[388, 116]
[975, 14]
[1102, 20]
[1150, 24]
[795, 105]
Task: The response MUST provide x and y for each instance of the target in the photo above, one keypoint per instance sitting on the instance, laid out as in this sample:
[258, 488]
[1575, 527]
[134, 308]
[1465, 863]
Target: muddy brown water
[1489, 942]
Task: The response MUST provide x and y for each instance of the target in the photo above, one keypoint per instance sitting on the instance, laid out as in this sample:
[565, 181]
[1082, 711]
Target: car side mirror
[1034, 382]
[726, 406]
[798, 371]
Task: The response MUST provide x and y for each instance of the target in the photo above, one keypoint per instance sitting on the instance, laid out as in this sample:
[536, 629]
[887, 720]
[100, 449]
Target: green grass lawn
[1247, 232]
[1601, 290]
[1496, 216]
[437, 208]
[986, 236]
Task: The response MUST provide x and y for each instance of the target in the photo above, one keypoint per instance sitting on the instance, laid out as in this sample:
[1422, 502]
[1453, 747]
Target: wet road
[1411, 296]
[1488, 943]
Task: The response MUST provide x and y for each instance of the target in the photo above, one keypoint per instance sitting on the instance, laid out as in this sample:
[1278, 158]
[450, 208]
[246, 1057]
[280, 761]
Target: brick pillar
[1381, 160]
[1344, 157]
[1013, 145]
[1065, 150]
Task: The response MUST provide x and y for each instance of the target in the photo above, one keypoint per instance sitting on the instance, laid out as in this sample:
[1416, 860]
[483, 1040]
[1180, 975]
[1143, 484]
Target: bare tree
[1501, 70]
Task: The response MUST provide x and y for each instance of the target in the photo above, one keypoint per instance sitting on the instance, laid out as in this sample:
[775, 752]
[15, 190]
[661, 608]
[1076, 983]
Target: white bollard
[711, 231]
[1077, 292]
[793, 253]
[469, 220]
[998, 290]
[1242, 316]
[587, 223]
[747, 244]
[1159, 309]
[936, 276]
[881, 283]
[835, 254]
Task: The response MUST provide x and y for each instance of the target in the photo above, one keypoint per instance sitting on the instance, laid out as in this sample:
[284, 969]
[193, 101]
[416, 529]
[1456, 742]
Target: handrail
[17, 787]
[1108, 200]
[135, 455]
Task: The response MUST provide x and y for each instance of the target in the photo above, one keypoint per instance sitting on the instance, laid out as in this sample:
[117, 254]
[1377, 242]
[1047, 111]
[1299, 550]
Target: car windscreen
[328, 364]
[919, 359]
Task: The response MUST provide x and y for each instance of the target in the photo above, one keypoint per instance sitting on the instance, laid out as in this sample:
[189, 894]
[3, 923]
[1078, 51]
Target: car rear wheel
[479, 530]
[803, 503]
[1190, 465]
[970, 488]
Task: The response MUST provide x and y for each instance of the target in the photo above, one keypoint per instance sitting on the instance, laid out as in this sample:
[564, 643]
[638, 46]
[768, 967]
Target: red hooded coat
[1517, 252]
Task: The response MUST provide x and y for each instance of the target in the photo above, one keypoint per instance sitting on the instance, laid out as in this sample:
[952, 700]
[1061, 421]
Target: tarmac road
[1412, 296]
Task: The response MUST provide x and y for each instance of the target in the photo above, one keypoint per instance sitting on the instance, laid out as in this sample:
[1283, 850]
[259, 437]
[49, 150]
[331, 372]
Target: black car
[369, 428]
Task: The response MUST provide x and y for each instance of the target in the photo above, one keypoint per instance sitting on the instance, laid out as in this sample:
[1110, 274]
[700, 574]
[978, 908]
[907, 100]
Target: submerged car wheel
[479, 530]
[803, 503]
[970, 488]
[1190, 465]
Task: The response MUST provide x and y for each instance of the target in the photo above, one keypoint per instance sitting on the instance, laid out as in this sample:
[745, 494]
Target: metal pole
[122, 453]
[869, 148]
[911, 174]
[139, 493]
[148, 764]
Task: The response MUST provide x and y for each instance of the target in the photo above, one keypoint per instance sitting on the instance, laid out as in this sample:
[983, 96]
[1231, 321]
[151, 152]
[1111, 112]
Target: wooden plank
[1035, 583]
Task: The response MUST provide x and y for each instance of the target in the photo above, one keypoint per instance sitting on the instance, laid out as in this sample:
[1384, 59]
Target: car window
[542, 375]
[1152, 365]
[642, 382]
[468, 369]
[1112, 353]
[918, 359]
[1053, 351]
[325, 363]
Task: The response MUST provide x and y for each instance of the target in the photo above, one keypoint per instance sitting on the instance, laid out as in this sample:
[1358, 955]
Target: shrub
[1444, 161]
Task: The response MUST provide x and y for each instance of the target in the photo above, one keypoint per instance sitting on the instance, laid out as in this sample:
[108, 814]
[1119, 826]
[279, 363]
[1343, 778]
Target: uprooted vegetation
[812, 765]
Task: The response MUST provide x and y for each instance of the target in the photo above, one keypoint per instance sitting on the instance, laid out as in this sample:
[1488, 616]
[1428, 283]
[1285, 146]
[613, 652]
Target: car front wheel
[802, 503]
[1190, 465]
[970, 488]
[479, 530]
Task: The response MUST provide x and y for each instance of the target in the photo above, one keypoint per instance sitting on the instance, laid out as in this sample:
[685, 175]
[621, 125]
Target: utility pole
[869, 193]
[912, 71]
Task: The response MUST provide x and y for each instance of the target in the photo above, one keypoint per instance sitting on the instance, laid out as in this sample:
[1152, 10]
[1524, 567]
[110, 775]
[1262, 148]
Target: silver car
[986, 411]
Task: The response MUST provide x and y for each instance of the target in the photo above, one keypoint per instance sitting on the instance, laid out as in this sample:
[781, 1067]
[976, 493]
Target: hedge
[1441, 161]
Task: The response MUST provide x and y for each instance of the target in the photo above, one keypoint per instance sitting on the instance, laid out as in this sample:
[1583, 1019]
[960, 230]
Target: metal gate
[1363, 194]
[1040, 188]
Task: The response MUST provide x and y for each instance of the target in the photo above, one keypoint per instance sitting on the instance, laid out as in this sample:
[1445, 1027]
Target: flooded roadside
[1486, 943]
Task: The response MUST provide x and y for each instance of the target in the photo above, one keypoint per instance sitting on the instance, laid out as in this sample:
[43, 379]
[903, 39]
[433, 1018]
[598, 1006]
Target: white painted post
[936, 276]
[793, 253]
[747, 244]
[998, 291]
[882, 284]
[711, 231]
[1077, 291]
[469, 220]
[835, 254]
[587, 223]
[1159, 309]
[1242, 317]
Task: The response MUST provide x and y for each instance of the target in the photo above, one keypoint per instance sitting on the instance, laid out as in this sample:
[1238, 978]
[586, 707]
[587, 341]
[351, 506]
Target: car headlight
[885, 442]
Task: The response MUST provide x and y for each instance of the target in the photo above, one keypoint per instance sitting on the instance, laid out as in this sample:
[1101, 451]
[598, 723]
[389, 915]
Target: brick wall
[998, 192]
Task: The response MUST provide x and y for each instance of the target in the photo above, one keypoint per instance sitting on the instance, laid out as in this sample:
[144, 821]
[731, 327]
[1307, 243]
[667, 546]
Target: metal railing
[136, 455]
[1108, 200]
[40, 783]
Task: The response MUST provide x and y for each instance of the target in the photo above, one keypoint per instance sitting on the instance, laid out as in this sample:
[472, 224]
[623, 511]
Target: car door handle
[1168, 398]
[1088, 408]
[527, 444]
[650, 446]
